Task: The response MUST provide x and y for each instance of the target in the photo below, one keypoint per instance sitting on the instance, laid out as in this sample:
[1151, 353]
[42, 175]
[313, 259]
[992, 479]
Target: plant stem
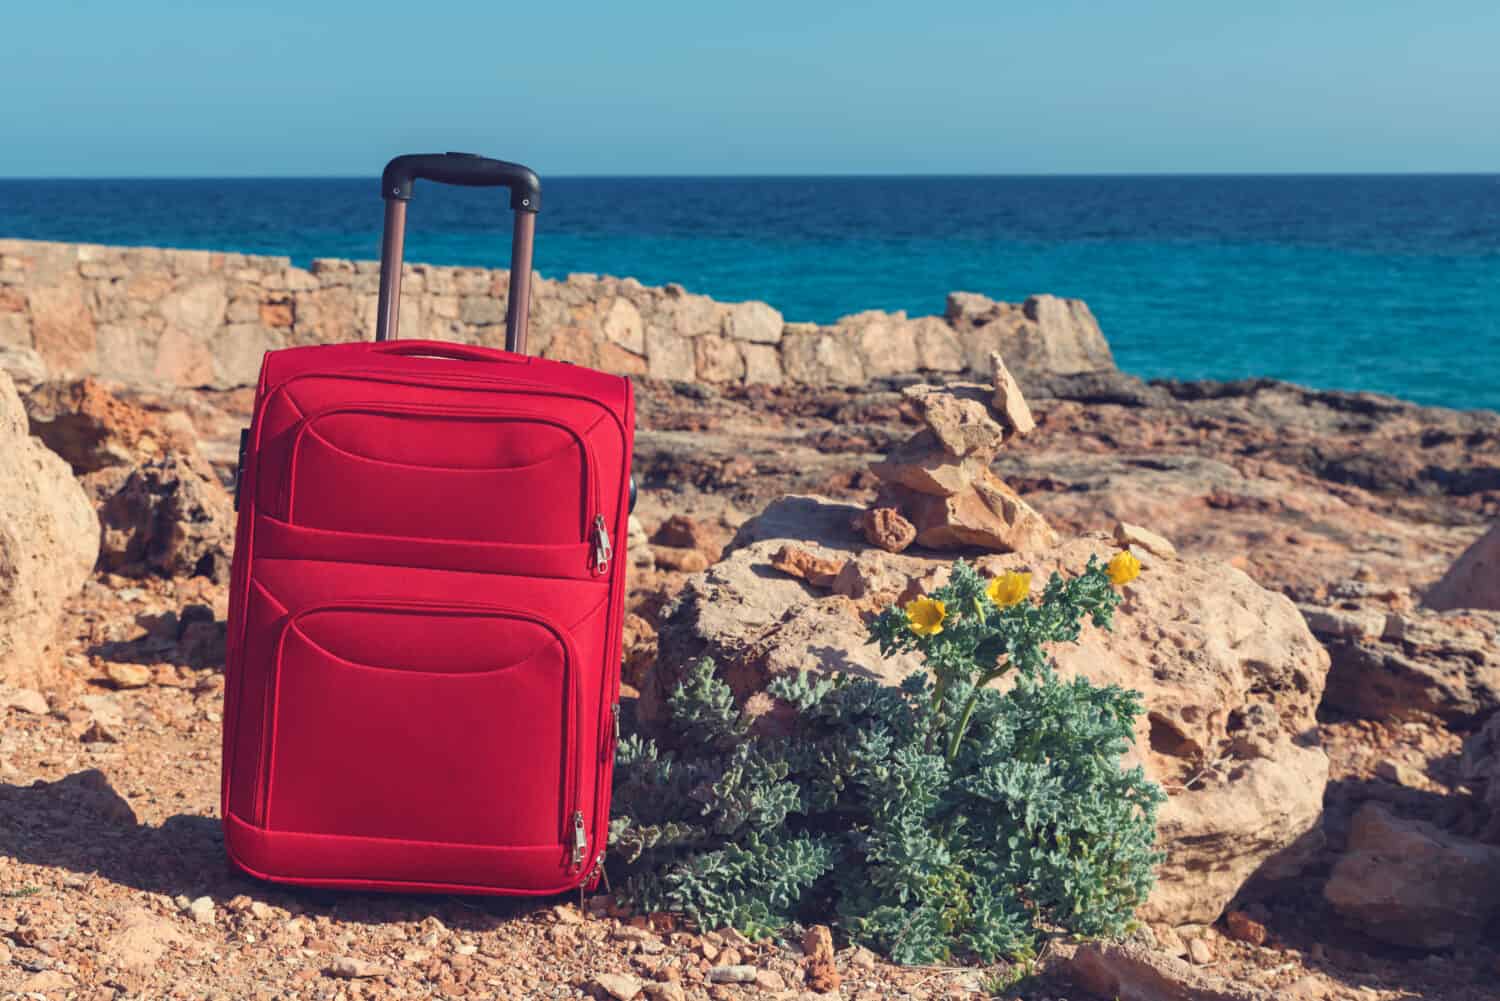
[963, 719]
[961, 726]
[938, 691]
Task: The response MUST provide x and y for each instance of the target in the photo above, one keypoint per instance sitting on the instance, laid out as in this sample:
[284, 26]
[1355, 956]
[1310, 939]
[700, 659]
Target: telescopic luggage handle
[469, 170]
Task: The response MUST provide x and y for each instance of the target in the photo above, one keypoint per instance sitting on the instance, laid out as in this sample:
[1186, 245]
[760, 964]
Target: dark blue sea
[1376, 283]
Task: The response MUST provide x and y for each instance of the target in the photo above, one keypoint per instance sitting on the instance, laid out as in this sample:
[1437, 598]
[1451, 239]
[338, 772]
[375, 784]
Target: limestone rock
[762, 364]
[1069, 334]
[886, 528]
[718, 359]
[123, 675]
[1474, 579]
[938, 349]
[1230, 674]
[616, 360]
[1345, 623]
[735, 974]
[962, 426]
[797, 562]
[685, 532]
[49, 541]
[26, 700]
[821, 358]
[196, 306]
[922, 465]
[638, 644]
[63, 329]
[669, 356]
[620, 986]
[679, 559]
[989, 515]
[1480, 767]
[91, 427]
[638, 546]
[201, 911]
[23, 364]
[141, 939]
[354, 968]
[1127, 534]
[1411, 884]
[753, 321]
[871, 582]
[1132, 972]
[1043, 334]
[622, 325]
[170, 516]
[1419, 661]
[886, 341]
[1008, 402]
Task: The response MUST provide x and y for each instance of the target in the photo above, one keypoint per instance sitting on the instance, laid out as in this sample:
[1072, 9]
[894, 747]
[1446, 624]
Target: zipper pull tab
[602, 549]
[616, 710]
[598, 874]
[580, 839]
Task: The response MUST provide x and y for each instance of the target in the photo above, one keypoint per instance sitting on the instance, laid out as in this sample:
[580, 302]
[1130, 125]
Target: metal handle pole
[518, 310]
[392, 247]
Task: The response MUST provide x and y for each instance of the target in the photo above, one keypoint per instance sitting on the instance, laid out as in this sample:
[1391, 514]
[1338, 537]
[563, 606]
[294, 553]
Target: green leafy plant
[934, 819]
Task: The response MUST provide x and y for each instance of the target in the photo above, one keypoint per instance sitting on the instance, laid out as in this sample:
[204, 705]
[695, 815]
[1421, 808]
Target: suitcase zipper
[602, 549]
[580, 840]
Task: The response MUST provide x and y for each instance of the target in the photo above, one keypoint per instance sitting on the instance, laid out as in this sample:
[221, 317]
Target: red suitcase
[425, 609]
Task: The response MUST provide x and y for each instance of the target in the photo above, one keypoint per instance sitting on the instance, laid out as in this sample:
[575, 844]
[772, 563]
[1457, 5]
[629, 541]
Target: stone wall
[151, 317]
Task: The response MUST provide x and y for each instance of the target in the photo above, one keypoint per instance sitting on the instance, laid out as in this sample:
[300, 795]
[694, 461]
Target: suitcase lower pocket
[423, 723]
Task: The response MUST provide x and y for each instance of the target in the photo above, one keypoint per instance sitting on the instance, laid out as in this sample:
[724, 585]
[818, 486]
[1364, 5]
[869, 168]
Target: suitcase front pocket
[423, 723]
[454, 474]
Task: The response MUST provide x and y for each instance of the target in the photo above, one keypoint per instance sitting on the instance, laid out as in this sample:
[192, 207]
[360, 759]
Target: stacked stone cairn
[937, 490]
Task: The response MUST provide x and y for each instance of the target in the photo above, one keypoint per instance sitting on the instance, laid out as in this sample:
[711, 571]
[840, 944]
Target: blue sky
[168, 87]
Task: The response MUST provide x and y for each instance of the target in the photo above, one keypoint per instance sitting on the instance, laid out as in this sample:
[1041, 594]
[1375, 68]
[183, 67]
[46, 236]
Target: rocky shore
[1316, 632]
[186, 318]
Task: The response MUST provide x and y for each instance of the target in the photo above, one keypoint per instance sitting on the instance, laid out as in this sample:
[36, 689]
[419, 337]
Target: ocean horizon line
[874, 176]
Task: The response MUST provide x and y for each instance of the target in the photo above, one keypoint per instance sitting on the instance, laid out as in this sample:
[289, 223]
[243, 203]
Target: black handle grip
[467, 169]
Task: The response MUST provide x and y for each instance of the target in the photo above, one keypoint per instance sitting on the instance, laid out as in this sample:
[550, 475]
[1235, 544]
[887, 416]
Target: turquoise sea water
[1389, 284]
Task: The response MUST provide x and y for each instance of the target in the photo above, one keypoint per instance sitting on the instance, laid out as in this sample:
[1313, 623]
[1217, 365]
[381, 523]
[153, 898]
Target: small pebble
[732, 975]
[202, 910]
[352, 968]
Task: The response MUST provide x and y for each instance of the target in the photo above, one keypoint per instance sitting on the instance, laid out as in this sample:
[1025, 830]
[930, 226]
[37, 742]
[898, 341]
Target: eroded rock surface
[1410, 883]
[1396, 664]
[49, 540]
[169, 516]
[1474, 579]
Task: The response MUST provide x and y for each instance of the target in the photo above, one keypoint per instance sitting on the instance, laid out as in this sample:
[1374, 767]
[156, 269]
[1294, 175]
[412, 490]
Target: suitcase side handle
[468, 170]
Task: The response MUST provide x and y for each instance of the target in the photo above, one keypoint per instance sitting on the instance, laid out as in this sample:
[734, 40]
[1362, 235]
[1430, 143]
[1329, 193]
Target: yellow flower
[1124, 568]
[926, 616]
[1009, 589]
